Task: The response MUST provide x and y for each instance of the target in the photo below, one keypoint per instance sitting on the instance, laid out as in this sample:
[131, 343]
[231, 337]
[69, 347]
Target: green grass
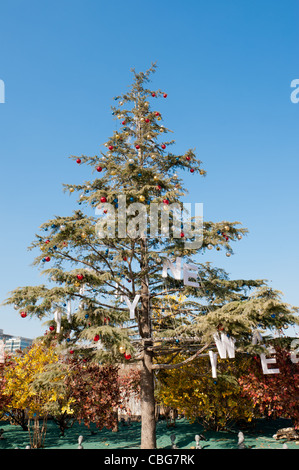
[258, 436]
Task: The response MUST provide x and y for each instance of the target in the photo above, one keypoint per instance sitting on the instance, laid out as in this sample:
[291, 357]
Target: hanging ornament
[165, 95]
[123, 123]
[103, 199]
[122, 349]
[23, 314]
[78, 161]
[47, 259]
[51, 328]
[156, 178]
[188, 158]
[191, 170]
[228, 254]
[147, 120]
[71, 351]
[158, 187]
[71, 190]
[239, 236]
[141, 198]
[131, 161]
[79, 277]
[96, 338]
[153, 94]
[210, 246]
[157, 113]
[165, 201]
[99, 169]
[182, 234]
[110, 147]
[163, 146]
[137, 147]
[127, 356]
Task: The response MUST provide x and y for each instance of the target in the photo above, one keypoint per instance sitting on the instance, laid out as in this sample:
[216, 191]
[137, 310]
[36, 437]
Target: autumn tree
[215, 403]
[274, 395]
[19, 387]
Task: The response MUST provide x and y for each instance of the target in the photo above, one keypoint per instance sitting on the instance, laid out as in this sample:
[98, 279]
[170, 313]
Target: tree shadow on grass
[94, 438]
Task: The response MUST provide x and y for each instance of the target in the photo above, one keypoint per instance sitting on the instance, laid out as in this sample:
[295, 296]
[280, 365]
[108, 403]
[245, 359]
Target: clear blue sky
[227, 68]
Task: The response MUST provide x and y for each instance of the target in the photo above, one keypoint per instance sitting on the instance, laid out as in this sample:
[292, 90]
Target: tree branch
[180, 364]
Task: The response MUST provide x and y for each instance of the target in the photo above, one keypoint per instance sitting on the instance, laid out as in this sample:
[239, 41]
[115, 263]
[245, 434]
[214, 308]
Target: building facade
[13, 343]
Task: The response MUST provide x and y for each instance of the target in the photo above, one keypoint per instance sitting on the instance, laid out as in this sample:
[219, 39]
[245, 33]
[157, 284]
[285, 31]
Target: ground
[128, 437]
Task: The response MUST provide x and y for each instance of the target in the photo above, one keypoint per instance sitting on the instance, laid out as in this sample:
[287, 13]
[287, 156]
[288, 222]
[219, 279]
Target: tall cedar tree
[97, 269]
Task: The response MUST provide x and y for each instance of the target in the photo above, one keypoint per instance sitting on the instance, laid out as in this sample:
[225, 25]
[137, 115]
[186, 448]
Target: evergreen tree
[102, 260]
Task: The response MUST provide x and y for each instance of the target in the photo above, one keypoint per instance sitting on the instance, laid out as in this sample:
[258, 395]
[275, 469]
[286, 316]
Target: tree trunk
[148, 422]
[147, 397]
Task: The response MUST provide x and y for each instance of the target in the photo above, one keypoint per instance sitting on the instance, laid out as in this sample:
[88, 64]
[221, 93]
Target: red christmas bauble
[110, 147]
[71, 351]
[182, 234]
[23, 314]
[51, 328]
[99, 168]
[153, 95]
[157, 113]
[103, 199]
[124, 123]
[188, 158]
[165, 201]
[96, 338]
[163, 146]
[165, 95]
[80, 277]
[127, 356]
[192, 170]
[137, 146]
[47, 241]
[147, 120]
[158, 187]
[125, 258]
[78, 160]
[47, 258]
[105, 211]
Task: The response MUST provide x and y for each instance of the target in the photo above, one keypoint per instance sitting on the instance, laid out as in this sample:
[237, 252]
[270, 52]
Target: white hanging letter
[132, 306]
[57, 318]
[265, 361]
[225, 346]
[188, 270]
[176, 270]
[213, 360]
